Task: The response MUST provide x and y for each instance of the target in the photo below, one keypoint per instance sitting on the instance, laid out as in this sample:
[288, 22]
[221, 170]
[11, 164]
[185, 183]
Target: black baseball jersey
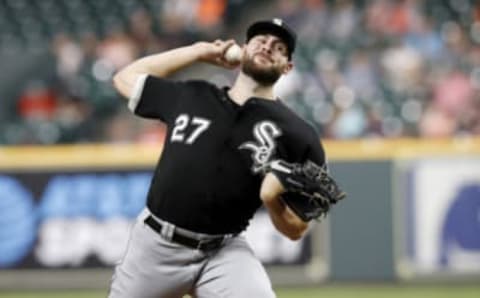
[209, 175]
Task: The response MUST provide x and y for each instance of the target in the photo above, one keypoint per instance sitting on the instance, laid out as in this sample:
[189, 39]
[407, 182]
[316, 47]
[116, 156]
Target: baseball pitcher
[227, 151]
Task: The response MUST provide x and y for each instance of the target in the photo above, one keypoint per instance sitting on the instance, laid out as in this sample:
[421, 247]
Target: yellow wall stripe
[401, 148]
[79, 156]
[131, 155]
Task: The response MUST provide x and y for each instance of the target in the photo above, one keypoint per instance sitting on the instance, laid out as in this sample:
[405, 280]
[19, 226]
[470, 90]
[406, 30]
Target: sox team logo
[265, 133]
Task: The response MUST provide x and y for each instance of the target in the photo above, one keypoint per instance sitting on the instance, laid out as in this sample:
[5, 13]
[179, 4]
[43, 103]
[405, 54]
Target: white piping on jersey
[137, 92]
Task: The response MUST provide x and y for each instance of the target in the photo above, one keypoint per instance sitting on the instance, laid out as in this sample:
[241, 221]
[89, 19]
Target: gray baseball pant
[155, 267]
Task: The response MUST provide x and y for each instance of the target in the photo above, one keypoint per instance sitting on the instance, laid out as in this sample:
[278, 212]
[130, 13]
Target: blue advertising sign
[68, 219]
[18, 221]
[81, 219]
[461, 226]
[441, 218]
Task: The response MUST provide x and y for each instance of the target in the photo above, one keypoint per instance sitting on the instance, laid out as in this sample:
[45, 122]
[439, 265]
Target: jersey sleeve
[157, 98]
[315, 151]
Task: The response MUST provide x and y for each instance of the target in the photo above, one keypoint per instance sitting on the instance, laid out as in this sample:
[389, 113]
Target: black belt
[207, 244]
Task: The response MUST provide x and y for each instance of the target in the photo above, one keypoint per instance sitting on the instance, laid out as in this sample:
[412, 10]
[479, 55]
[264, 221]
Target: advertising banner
[81, 219]
[440, 218]
[68, 219]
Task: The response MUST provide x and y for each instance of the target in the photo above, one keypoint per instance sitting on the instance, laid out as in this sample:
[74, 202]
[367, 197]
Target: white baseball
[233, 53]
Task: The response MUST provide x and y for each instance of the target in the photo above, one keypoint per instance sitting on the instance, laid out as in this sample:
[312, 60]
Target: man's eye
[281, 49]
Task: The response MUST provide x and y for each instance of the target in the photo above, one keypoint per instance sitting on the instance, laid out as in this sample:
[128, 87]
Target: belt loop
[167, 230]
[144, 214]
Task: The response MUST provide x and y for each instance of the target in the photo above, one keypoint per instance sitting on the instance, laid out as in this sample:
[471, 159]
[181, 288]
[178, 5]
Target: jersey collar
[252, 99]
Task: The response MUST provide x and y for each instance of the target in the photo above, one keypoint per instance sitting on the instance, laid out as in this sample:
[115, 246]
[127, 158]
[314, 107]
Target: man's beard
[263, 76]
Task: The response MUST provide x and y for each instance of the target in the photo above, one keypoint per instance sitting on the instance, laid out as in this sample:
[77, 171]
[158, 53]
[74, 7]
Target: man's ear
[287, 67]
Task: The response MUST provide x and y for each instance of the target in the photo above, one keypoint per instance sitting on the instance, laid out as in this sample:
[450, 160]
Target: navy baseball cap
[275, 27]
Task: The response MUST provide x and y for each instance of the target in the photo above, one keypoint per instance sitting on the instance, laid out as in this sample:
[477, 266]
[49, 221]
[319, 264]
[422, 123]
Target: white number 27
[181, 123]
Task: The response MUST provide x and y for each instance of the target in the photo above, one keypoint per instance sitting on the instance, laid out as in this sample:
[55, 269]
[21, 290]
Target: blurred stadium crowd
[379, 68]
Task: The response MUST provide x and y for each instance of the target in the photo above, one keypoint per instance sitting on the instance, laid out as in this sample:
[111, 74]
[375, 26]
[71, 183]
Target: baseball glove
[309, 190]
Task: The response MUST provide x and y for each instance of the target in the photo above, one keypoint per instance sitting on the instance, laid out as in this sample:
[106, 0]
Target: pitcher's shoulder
[294, 118]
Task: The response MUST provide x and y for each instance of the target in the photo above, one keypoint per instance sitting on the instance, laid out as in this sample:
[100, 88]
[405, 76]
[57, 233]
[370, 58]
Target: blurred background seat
[379, 68]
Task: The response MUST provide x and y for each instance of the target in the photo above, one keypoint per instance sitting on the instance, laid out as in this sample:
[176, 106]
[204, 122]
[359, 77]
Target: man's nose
[267, 47]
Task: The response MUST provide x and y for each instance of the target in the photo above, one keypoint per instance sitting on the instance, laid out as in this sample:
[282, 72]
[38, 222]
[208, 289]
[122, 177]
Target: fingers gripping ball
[233, 53]
[309, 190]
